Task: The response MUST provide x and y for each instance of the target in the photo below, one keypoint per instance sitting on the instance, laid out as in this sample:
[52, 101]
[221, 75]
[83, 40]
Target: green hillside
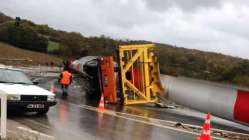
[11, 55]
[173, 60]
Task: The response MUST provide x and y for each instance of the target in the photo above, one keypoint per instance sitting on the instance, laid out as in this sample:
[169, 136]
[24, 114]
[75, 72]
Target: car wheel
[43, 111]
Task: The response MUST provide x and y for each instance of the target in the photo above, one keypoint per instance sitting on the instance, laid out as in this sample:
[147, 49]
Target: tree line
[173, 60]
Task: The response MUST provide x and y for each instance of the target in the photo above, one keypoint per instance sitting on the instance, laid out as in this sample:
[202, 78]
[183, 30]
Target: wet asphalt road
[74, 118]
[71, 122]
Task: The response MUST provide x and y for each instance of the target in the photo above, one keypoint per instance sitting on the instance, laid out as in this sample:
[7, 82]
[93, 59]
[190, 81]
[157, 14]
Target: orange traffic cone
[101, 107]
[206, 129]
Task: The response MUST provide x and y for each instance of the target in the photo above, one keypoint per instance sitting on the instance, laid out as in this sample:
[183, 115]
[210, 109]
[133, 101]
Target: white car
[23, 94]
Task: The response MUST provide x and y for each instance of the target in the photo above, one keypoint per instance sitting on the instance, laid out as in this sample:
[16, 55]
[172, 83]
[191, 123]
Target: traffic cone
[206, 129]
[101, 107]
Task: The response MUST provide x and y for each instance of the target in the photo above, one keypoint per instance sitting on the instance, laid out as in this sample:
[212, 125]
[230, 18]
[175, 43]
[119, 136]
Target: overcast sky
[210, 25]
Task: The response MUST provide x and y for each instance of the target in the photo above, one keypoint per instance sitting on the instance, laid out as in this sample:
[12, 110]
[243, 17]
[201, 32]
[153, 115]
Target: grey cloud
[213, 25]
[185, 5]
[124, 15]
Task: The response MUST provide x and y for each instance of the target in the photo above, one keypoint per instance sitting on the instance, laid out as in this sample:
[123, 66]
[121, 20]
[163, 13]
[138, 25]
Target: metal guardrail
[3, 97]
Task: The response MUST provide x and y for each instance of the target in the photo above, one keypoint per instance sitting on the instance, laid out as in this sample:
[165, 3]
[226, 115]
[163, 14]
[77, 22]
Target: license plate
[35, 106]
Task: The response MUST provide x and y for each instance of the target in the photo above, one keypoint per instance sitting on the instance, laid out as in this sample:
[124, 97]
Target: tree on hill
[173, 60]
[26, 38]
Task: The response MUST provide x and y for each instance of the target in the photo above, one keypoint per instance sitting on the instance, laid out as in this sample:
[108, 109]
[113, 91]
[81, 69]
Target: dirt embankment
[10, 55]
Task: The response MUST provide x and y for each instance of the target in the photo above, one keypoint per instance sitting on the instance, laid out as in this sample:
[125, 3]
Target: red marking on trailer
[241, 107]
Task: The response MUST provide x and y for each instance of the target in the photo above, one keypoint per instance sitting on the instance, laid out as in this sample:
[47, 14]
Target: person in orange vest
[65, 80]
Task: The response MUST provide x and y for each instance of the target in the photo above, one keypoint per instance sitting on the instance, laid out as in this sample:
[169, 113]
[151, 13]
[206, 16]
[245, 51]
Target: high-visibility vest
[66, 77]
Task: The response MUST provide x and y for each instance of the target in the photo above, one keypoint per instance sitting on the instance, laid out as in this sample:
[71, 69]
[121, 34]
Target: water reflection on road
[74, 118]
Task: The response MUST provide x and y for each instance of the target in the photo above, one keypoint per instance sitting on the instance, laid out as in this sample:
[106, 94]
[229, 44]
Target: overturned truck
[135, 79]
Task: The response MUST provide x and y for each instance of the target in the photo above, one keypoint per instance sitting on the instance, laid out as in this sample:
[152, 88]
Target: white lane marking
[35, 132]
[38, 123]
[16, 133]
[11, 131]
[140, 121]
[166, 121]
[188, 125]
[48, 127]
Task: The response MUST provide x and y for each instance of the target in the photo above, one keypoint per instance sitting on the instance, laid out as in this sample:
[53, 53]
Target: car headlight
[14, 97]
[51, 98]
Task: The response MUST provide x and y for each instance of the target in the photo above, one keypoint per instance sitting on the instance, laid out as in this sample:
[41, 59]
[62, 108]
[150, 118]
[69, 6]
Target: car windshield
[13, 76]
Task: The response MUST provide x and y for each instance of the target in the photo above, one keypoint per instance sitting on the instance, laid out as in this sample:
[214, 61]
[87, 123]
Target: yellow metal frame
[141, 58]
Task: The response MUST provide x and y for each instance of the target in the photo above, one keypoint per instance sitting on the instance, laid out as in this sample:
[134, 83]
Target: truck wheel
[43, 111]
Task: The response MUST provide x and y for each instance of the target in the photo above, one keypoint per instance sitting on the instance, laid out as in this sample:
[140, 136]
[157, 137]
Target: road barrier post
[3, 97]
